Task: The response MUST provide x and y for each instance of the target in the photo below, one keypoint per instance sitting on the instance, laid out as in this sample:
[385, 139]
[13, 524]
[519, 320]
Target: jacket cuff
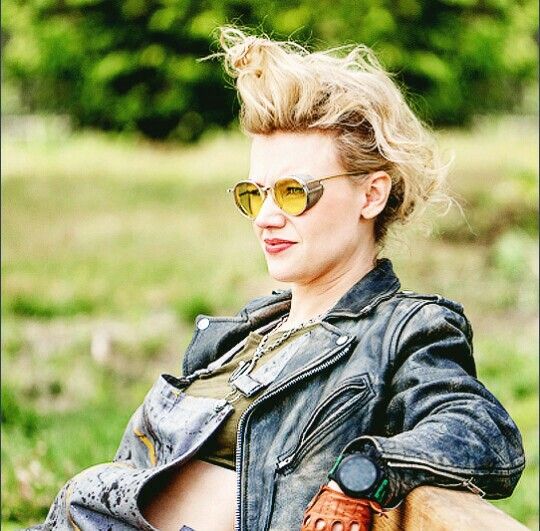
[400, 481]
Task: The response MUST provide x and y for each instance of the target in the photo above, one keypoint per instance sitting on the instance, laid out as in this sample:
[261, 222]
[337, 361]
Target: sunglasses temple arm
[350, 173]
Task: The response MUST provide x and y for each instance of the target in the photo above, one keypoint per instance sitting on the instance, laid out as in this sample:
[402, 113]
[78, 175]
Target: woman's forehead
[283, 153]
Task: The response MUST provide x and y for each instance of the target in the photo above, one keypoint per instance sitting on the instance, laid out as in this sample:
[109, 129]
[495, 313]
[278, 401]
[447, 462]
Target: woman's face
[326, 241]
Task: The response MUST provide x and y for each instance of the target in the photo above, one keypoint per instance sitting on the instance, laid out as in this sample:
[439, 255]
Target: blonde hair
[283, 87]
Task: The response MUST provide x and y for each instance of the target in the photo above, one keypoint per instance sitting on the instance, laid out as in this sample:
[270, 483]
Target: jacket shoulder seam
[398, 330]
[431, 297]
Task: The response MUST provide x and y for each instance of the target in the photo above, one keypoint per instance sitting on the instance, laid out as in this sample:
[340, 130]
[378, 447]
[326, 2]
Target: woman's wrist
[334, 486]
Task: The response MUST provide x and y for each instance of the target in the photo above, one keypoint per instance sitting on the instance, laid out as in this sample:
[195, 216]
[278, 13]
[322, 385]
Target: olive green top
[220, 449]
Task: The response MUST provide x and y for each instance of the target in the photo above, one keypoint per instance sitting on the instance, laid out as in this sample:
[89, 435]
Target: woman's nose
[270, 215]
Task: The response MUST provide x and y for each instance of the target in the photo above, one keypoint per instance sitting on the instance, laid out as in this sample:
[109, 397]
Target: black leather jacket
[389, 373]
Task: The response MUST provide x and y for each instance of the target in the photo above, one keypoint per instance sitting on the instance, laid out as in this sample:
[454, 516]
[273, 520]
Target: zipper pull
[473, 488]
[285, 462]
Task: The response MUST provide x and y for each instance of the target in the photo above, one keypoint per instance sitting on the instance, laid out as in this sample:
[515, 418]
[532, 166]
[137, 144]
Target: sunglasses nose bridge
[264, 191]
[270, 213]
[271, 190]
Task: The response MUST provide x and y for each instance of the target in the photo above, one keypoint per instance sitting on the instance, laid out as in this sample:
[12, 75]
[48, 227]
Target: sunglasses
[293, 194]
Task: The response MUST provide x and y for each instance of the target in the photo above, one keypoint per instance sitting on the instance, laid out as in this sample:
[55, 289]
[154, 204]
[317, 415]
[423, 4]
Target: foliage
[132, 65]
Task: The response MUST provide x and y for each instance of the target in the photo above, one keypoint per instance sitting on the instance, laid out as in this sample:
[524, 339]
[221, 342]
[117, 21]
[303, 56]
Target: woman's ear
[376, 189]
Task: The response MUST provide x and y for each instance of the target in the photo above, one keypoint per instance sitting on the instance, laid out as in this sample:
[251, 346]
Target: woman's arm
[443, 427]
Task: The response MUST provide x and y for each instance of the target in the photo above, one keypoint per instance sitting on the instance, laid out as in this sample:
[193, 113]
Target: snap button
[341, 339]
[203, 323]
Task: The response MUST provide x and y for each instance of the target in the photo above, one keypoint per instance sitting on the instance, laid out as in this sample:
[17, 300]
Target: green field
[111, 247]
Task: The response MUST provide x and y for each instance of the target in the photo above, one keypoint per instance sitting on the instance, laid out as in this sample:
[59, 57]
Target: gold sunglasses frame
[312, 187]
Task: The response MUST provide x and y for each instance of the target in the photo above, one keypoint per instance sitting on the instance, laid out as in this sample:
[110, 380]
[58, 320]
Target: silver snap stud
[341, 339]
[203, 323]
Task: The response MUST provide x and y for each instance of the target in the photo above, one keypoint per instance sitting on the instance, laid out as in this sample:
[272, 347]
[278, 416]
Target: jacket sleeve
[443, 427]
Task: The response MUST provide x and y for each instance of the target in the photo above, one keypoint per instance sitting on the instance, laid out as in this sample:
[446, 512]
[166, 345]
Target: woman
[324, 403]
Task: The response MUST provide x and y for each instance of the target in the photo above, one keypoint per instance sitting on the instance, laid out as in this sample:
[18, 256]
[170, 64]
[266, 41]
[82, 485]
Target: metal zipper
[344, 350]
[462, 482]
[305, 442]
[335, 355]
[360, 384]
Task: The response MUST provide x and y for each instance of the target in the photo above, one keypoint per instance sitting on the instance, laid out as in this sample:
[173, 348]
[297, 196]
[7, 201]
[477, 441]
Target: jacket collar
[216, 335]
[379, 284]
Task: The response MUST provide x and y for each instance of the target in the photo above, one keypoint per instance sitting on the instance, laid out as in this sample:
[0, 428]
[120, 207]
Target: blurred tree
[131, 65]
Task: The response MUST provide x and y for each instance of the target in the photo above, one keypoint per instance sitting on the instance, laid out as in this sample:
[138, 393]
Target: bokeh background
[117, 148]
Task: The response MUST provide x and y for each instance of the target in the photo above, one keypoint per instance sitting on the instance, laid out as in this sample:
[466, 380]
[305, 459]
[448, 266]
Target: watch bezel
[374, 492]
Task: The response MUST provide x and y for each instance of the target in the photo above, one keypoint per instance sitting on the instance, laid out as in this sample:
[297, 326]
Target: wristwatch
[359, 476]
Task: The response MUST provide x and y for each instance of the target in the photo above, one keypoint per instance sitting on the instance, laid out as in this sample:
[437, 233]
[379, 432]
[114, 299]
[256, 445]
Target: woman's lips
[275, 245]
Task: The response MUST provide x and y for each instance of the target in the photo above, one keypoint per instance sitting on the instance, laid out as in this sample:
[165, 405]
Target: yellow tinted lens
[290, 196]
[248, 198]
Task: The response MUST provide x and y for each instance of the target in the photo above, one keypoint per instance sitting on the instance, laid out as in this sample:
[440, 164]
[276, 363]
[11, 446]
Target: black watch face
[357, 473]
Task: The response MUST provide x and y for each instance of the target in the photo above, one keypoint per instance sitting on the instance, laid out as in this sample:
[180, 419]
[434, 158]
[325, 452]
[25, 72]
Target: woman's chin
[287, 275]
[281, 276]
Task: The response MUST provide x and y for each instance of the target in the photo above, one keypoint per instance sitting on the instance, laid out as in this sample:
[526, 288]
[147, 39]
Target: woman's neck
[316, 298]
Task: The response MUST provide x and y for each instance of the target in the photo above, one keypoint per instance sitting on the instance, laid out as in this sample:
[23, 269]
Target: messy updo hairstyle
[345, 91]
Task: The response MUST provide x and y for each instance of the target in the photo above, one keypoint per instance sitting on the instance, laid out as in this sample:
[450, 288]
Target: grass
[111, 247]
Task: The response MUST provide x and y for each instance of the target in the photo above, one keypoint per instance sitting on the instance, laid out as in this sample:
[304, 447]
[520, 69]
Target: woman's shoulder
[413, 299]
[416, 312]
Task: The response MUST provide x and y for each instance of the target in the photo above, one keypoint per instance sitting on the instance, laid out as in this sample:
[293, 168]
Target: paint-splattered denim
[388, 373]
[165, 432]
